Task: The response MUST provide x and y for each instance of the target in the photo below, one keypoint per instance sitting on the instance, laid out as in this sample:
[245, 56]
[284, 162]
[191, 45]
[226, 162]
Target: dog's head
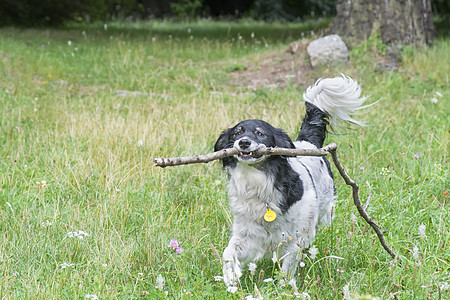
[246, 137]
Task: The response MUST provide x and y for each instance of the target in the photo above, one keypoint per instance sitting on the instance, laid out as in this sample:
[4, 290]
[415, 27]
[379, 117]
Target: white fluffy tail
[339, 97]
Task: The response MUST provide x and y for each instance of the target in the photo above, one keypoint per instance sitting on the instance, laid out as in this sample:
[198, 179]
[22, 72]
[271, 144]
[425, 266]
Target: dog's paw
[231, 274]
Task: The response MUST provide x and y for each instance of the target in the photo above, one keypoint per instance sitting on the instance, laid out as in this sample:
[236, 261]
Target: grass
[76, 155]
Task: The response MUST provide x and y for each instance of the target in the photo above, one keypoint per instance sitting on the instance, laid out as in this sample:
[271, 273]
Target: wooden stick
[263, 150]
[358, 204]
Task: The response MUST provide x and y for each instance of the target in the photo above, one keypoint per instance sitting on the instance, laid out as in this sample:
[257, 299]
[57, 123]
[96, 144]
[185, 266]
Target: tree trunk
[398, 22]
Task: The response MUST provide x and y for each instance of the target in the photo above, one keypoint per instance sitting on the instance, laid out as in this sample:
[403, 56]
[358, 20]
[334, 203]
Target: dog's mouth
[248, 156]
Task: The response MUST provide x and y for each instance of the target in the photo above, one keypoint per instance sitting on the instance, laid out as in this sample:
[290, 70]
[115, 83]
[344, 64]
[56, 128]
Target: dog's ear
[223, 141]
[282, 140]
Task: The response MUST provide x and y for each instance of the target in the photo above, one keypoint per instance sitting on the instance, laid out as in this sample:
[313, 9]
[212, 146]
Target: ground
[277, 69]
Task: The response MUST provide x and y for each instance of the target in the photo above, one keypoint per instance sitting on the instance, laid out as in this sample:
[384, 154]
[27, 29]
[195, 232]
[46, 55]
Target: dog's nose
[244, 143]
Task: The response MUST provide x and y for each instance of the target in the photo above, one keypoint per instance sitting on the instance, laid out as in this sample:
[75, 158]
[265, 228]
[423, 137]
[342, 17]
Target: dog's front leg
[231, 264]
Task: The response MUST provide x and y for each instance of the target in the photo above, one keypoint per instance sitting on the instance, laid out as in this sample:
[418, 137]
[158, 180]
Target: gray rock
[326, 50]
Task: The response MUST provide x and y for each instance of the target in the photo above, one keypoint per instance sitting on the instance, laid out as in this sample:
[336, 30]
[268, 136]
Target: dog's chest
[250, 191]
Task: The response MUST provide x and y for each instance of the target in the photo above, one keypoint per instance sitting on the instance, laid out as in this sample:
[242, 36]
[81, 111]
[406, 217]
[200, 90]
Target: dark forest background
[31, 13]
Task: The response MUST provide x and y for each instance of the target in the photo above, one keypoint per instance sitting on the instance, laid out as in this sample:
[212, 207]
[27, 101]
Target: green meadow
[84, 213]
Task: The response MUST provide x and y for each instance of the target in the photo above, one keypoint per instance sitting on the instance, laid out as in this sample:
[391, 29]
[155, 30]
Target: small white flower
[104, 265]
[346, 292]
[252, 35]
[438, 94]
[69, 43]
[313, 251]
[80, 234]
[302, 264]
[65, 265]
[268, 279]
[153, 39]
[293, 283]
[46, 223]
[160, 282]
[422, 229]
[274, 257]
[189, 30]
[140, 274]
[305, 295]
[252, 268]
[434, 100]
[140, 143]
[91, 296]
[415, 253]
[218, 278]
[105, 27]
[232, 289]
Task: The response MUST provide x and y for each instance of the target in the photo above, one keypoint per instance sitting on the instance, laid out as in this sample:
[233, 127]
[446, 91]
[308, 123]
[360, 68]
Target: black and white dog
[279, 202]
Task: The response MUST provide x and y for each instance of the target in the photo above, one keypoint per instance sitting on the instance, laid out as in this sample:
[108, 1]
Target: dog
[278, 202]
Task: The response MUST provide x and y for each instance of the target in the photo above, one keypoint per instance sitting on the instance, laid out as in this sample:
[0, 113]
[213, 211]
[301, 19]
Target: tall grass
[76, 155]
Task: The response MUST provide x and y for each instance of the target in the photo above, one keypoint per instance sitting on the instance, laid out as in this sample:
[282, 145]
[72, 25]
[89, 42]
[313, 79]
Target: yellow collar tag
[270, 215]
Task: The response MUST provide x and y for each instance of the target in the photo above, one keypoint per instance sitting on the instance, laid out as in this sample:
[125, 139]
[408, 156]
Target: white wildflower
[91, 296]
[80, 234]
[140, 143]
[160, 282]
[250, 297]
[69, 43]
[46, 223]
[252, 35]
[293, 284]
[305, 295]
[140, 274]
[274, 257]
[232, 289]
[65, 265]
[434, 100]
[302, 264]
[346, 292]
[268, 279]
[313, 251]
[252, 268]
[438, 94]
[422, 229]
[218, 278]
[105, 27]
[415, 253]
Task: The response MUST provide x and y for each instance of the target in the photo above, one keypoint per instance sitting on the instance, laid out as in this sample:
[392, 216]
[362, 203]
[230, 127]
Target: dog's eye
[259, 133]
[238, 132]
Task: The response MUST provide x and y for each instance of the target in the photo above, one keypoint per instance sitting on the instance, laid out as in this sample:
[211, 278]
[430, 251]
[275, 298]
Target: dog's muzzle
[247, 148]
